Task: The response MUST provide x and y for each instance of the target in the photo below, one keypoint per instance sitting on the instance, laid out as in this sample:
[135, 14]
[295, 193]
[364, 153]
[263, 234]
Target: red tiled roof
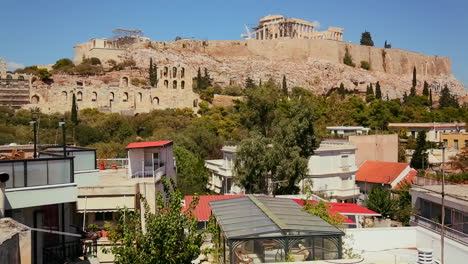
[148, 144]
[203, 210]
[380, 171]
[409, 178]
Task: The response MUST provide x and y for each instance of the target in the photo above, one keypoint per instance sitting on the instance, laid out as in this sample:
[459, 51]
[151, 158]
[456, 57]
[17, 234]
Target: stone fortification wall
[114, 92]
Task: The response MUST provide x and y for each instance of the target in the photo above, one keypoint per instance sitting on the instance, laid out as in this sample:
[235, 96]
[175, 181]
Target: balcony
[436, 227]
[36, 182]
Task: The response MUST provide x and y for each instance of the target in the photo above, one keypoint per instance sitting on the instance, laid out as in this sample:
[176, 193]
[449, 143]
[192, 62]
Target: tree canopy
[366, 39]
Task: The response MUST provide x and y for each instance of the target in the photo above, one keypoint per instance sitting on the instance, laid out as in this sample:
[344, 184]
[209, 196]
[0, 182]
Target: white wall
[378, 239]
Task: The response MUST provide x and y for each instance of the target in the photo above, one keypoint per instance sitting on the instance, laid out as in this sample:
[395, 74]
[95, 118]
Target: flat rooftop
[422, 125]
[456, 192]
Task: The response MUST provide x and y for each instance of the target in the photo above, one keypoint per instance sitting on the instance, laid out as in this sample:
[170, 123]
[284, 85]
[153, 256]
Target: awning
[105, 203]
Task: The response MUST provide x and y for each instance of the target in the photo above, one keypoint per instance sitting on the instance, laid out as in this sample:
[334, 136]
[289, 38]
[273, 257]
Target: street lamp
[442, 229]
[33, 122]
[62, 124]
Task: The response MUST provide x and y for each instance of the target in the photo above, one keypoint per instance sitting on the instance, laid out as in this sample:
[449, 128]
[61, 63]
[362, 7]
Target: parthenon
[279, 26]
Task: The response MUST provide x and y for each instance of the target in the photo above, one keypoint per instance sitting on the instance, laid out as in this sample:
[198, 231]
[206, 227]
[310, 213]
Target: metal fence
[108, 163]
[436, 227]
[69, 251]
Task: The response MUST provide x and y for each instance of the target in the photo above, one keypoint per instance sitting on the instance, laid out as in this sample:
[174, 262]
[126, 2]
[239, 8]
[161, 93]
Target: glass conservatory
[257, 229]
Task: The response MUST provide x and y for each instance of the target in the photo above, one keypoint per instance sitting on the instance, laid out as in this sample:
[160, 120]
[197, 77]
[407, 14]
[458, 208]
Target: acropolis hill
[277, 47]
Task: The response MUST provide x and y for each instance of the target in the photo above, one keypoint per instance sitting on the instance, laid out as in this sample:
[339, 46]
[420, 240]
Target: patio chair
[243, 259]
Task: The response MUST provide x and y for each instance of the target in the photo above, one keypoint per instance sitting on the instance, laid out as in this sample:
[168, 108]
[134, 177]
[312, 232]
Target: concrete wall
[87, 178]
[40, 195]
[15, 242]
[375, 147]
[381, 239]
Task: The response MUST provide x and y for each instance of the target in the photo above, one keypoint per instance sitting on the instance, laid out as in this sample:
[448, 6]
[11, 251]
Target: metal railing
[119, 162]
[69, 251]
[157, 174]
[436, 227]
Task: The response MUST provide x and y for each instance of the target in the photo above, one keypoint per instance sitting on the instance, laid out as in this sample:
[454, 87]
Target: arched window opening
[182, 84]
[124, 81]
[166, 70]
[140, 97]
[94, 98]
[166, 83]
[79, 96]
[174, 84]
[155, 101]
[21, 77]
[182, 72]
[64, 96]
[9, 77]
[125, 96]
[174, 72]
[35, 99]
[195, 103]
[111, 97]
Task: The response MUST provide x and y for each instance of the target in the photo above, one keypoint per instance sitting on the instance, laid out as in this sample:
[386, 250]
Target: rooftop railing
[38, 172]
[436, 227]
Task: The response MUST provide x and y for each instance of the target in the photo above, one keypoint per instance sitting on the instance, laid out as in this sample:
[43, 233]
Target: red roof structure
[203, 210]
[383, 172]
[148, 144]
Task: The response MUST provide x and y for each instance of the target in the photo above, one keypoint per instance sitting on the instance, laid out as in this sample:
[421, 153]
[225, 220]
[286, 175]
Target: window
[166, 83]
[445, 142]
[174, 84]
[79, 83]
[195, 103]
[166, 70]
[182, 72]
[21, 77]
[155, 101]
[94, 98]
[345, 162]
[111, 97]
[174, 72]
[106, 216]
[64, 96]
[35, 99]
[182, 84]
[125, 96]
[140, 97]
[455, 143]
[79, 96]
[466, 143]
[125, 81]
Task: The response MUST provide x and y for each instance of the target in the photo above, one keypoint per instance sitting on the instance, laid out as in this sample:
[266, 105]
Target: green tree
[365, 65]
[348, 59]
[414, 82]
[378, 92]
[284, 86]
[405, 97]
[168, 236]
[74, 111]
[249, 83]
[192, 176]
[153, 73]
[426, 89]
[64, 64]
[366, 39]
[380, 200]
[430, 98]
[323, 210]
[342, 90]
[252, 164]
[419, 157]
[370, 96]
[446, 99]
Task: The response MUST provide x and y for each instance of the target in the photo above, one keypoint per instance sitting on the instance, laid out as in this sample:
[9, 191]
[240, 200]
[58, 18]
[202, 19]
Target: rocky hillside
[312, 64]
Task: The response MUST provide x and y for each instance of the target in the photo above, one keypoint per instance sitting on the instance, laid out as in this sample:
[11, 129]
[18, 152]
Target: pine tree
[447, 99]
[249, 83]
[378, 92]
[366, 39]
[413, 87]
[426, 89]
[419, 158]
[74, 112]
[285, 86]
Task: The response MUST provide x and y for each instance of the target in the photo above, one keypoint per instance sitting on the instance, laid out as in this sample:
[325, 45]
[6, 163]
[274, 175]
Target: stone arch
[195, 103]
[166, 70]
[94, 97]
[125, 97]
[125, 81]
[174, 72]
[182, 72]
[111, 96]
[79, 96]
[64, 96]
[21, 77]
[35, 99]
[140, 97]
[166, 83]
[174, 84]
[182, 84]
[9, 77]
[155, 101]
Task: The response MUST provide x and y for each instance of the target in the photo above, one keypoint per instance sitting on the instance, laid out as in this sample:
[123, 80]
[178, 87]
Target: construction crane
[248, 34]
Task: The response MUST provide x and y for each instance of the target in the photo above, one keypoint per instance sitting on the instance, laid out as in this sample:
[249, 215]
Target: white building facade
[331, 171]
[222, 173]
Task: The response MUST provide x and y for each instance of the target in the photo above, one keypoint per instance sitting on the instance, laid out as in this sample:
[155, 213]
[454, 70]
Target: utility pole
[443, 206]
[34, 123]
[62, 124]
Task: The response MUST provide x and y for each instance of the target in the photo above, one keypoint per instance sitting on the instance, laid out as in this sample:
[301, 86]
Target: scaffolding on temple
[122, 32]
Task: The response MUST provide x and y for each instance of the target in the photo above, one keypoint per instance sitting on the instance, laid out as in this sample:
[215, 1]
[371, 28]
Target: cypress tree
[206, 79]
[199, 79]
[378, 92]
[405, 97]
[74, 112]
[419, 158]
[413, 87]
[430, 97]
[285, 86]
[426, 89]
[370, 96]
[260, 82]
[249, 83]
[342, 90]
[153, 71]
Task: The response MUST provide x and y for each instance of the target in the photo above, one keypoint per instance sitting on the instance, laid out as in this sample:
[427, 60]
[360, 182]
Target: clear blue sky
[42, 31]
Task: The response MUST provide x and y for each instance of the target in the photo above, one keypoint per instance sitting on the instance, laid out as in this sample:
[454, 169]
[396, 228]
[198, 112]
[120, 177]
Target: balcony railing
[38, 172]
[436, 227]
[70, 251]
